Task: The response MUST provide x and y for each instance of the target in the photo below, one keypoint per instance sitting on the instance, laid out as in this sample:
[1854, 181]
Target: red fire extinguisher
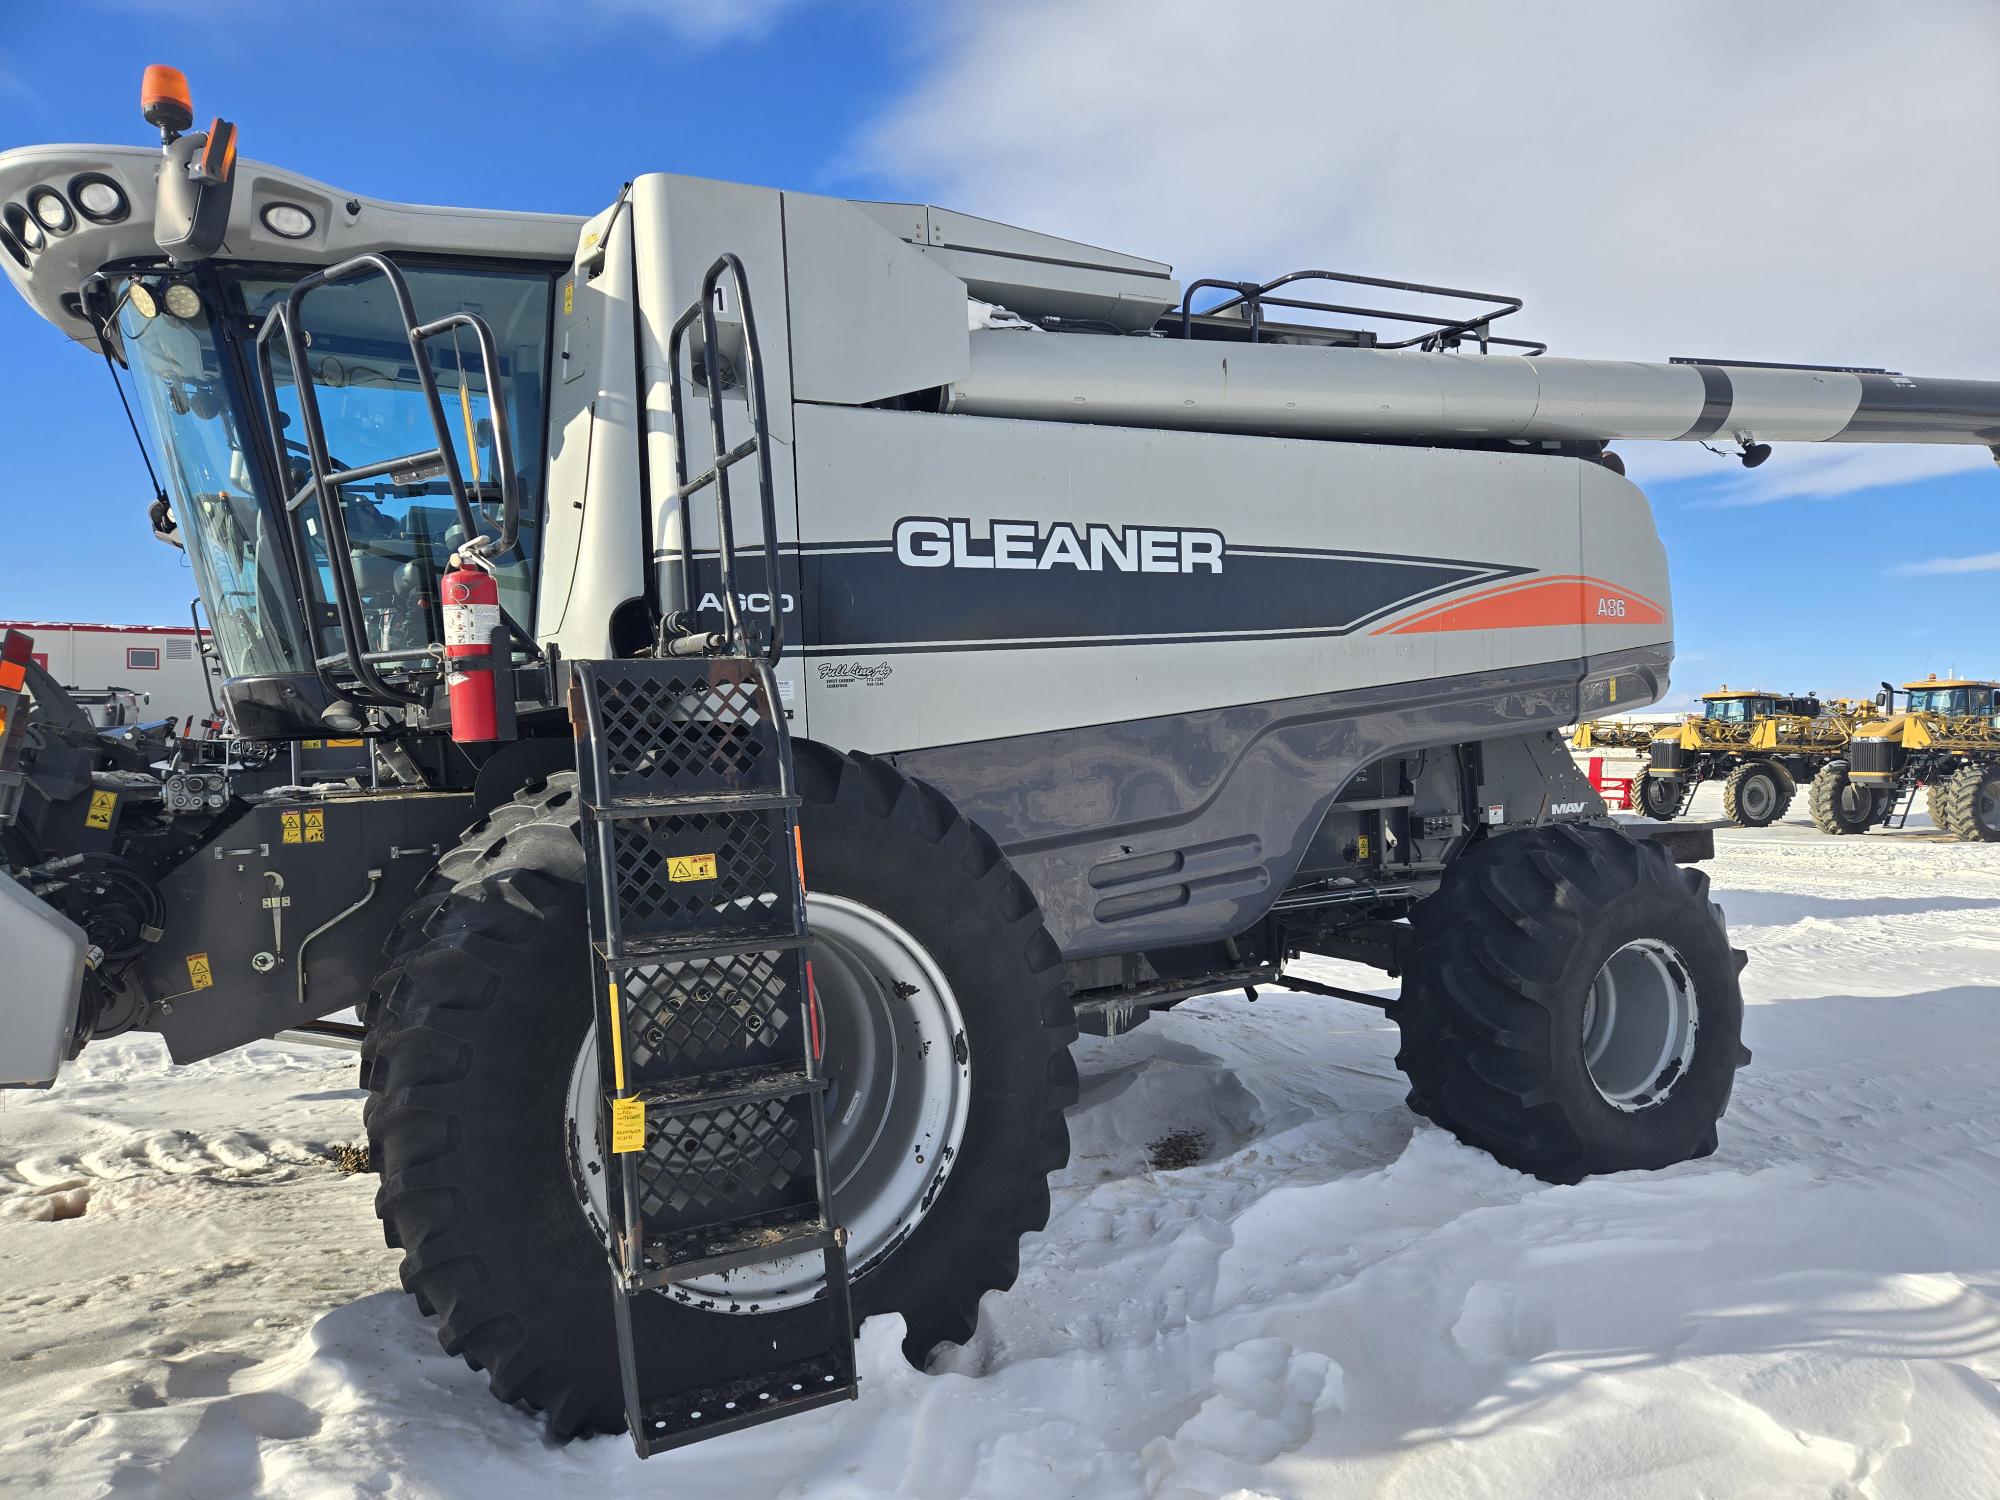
[471, 597]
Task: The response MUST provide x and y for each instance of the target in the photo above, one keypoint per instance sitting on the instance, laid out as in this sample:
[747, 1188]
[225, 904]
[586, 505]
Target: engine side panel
[1186, 827]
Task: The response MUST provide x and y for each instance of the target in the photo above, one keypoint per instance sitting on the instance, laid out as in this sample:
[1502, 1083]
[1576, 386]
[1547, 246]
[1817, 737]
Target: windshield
[1958, 700]
[238, 565]
[1735, 710]
[401, 536]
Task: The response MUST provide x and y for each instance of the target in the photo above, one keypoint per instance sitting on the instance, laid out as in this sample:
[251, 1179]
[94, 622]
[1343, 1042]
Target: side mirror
[196, 181]
[1881, 700]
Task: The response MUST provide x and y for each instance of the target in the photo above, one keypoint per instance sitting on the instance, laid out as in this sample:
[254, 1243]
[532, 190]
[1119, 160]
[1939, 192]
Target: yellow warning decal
[691, 867]
[291, 825]
[1361, 847]
[343, 744]
[569, 295]
[102, 806]
[312, 744]
[628, 1125]
[316, 826]
[1614, 690]
[199, 977]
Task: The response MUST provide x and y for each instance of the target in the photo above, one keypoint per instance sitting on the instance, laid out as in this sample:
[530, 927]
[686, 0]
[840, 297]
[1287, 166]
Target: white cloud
[698, 22]
[1708, 178]
[1985, 562]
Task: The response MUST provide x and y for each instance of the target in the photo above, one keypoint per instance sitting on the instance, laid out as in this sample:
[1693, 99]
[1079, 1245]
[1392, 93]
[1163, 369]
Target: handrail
[1444, 332]
[326, 481]
[724, 458]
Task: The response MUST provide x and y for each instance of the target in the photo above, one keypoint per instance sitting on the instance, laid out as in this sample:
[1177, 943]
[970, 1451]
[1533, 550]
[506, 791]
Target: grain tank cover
[1036, 275]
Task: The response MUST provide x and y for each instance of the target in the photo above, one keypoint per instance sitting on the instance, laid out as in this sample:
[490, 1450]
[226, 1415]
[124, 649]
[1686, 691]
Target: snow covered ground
[1331, 1301]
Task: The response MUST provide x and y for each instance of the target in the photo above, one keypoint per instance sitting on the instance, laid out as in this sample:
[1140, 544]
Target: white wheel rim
[1756, 795]
[1639, 1022]
[899, 1093]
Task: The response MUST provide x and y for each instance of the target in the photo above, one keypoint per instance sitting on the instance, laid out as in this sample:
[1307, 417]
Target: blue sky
[1650, 192]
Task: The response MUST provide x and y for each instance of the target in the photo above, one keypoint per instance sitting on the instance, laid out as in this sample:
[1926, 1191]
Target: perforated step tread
[692, 1415]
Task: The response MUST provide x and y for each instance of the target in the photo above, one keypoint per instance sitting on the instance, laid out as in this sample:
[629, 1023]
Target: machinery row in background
[1863, 762]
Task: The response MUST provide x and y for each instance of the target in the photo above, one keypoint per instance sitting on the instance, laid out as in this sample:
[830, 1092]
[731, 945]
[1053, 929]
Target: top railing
[1442, 332]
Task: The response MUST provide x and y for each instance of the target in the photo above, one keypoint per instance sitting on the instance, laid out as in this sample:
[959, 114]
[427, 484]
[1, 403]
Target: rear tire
[1839, 805]
[1972, 804]
[1655, 796]
[1756, 794]
[1934, 805]
[1519, 971]
[486, 1002]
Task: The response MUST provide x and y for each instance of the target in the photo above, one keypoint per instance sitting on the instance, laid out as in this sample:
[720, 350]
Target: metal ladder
[708, 1029]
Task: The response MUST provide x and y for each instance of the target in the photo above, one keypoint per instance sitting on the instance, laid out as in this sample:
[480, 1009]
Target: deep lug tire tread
[1643, 781]
[1960, 802]
[1823, 802]
[1491, 1015]
[447, 1021]
[1732, 793]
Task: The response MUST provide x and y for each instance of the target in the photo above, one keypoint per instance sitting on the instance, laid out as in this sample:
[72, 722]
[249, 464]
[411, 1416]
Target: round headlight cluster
[25, 227]
[287, 220]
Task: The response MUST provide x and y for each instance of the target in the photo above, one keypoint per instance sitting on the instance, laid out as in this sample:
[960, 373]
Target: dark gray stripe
[1718, 396]
[1902, 408]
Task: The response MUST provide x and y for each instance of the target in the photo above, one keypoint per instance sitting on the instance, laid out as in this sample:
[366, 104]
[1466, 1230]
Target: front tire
[1838, 804]
[1756, 794]
[1571, 1005]
[469, 1063]
[1655, 796]
[1971, 804]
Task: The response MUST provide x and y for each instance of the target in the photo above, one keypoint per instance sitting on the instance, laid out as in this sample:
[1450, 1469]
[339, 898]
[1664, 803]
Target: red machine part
[471, 599]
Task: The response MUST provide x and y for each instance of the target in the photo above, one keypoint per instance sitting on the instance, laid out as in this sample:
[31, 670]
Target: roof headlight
[24, 228]
[182, 300]
[98, 198]
[288, 221]
[13, 247]
[51, 210]
[144, 303]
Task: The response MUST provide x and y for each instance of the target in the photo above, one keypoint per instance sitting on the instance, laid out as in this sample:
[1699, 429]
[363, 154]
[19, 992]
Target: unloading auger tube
[1306, 391]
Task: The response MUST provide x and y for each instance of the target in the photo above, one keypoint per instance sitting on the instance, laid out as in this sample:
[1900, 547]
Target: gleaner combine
[813, 656]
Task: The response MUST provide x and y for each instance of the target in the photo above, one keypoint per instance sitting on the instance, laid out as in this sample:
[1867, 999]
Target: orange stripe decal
[1570, 599]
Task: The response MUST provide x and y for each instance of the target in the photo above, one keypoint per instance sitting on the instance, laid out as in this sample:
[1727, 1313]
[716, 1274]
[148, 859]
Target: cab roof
[1948, 682]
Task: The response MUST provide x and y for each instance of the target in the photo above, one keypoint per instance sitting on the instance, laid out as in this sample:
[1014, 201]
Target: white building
[124, 673]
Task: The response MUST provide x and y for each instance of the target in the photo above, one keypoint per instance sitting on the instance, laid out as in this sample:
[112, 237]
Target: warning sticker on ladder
[628, 1125]
[691, 867]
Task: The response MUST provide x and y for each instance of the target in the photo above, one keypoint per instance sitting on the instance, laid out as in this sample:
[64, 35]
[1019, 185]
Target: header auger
[979, 641]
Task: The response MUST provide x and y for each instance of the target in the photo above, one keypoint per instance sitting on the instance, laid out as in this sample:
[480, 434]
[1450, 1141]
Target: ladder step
[669, 804]
[721, 942]
[696, 1254]
[739, 1086]
[688, 1416]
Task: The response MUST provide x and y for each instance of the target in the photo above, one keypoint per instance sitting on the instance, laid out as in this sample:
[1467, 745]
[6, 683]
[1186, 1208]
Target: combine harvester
[813, 657]
[1945, 741]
